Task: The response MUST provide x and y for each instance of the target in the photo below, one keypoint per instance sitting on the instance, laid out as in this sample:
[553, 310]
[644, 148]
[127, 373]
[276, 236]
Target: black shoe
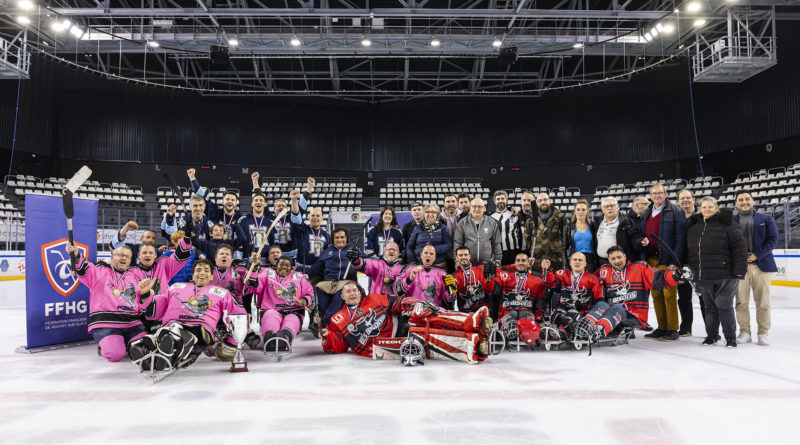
[710, 341]
[313, 326]
[285, 334]
[252, 340]
[658, 333]
[730, 342]
[683, 333]
[670, 336]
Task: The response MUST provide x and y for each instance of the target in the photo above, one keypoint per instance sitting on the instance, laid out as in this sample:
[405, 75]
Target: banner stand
[27, 350]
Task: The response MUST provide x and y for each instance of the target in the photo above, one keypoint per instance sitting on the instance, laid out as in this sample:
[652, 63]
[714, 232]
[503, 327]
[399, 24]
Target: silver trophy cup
[237, 324]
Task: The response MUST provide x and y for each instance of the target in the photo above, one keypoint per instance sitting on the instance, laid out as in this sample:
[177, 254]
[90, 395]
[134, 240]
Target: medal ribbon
[517, 283]
[219, 278]
[117, 280]
[576, 279]
[620, 277]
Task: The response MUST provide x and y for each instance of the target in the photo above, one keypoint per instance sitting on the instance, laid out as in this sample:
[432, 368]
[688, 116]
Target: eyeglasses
[477, 207]
[609, 206]
[658, 193]
[122, 255]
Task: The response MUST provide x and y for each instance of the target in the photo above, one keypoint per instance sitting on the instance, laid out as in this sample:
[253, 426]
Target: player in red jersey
[474, 284]
[629, 284]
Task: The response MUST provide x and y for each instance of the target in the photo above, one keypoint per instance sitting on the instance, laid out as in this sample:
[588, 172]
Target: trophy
[237, 324]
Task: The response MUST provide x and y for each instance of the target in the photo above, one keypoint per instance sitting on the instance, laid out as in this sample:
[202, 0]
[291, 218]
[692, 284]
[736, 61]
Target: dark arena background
[557, 105]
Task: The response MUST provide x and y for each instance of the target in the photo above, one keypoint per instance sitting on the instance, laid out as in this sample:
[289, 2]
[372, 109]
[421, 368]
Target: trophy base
[239, 367]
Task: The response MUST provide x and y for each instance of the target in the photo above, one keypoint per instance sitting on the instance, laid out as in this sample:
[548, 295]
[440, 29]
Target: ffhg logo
[57, 265]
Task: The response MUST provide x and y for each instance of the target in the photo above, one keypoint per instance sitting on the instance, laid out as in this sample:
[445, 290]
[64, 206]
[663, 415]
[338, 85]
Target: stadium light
[435, 42]
[366, 42]
[153, 44]
[497, 43]
[659, 27]
[23, 20]
[669, 28]
[76, 31]
[699, 22]
[693, 6]
[295, 41]
[648, 37]
[233, 42]
[25, 4]
[578, 45]
[60, 26]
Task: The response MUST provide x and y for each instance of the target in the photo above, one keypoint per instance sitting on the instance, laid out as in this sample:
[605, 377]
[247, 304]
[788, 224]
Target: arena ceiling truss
[379, 50]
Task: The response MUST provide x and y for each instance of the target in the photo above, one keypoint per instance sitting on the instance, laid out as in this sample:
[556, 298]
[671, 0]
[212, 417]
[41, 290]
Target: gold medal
[193, 301]
[418, 268]
[386, 280]
[117, 292]
[279, 292]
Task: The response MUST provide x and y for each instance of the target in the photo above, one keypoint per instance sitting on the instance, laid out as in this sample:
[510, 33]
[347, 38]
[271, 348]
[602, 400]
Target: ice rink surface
[647, 392]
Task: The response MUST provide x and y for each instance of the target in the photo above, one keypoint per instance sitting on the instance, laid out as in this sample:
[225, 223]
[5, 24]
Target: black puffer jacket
[715, 249]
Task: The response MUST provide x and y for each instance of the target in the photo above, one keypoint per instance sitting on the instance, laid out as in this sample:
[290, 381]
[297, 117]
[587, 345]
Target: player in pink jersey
[425, 282]
[283, 296]
[191, 313]
[383, 272]
[114, 308]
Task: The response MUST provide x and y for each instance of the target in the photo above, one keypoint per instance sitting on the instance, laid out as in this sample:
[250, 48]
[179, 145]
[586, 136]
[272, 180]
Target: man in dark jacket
[416, 214]
[616, 229]
[717, 253]
[544, 233]
[761, 235]
[667, 221]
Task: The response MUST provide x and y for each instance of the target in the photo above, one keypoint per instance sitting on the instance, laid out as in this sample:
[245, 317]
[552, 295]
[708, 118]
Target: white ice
[647, 392]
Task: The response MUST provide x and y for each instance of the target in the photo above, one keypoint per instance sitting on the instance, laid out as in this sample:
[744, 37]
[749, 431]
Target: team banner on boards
[56, 305]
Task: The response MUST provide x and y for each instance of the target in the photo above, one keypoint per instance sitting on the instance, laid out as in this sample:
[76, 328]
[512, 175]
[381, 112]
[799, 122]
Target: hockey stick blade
[666, 247]
[78, 179]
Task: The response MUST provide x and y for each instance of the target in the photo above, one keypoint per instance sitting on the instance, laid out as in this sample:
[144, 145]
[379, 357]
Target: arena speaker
[508, 56]
[219, 55]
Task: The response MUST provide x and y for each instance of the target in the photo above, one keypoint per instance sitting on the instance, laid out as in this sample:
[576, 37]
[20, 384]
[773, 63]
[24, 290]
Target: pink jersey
[232, 280]
[428, 285]
[113, 296]
[187, 304]
[164, 268]
[280, 294]
[379, 271]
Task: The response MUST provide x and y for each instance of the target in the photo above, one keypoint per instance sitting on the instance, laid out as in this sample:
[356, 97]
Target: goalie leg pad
[479, 321]
[467, 347]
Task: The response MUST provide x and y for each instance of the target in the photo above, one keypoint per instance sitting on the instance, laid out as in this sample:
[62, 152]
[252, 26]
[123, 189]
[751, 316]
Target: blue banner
[56, 304]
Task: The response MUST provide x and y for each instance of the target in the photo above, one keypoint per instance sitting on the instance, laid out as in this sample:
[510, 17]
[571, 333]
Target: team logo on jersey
[198, 305]
[367, 327]
[57, 265]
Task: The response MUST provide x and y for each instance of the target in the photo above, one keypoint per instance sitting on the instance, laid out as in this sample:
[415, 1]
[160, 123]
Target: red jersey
[473, 289]
[630, 287]
[584, 290]
[519, 291]
[358, 328]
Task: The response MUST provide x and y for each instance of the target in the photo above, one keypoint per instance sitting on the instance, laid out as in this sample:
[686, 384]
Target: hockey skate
[550, 336]
[497, 340]
[152, 363]
[278, 345]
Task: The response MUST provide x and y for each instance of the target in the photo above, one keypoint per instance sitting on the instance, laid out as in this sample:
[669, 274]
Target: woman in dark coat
[429, 231]
[717, 253]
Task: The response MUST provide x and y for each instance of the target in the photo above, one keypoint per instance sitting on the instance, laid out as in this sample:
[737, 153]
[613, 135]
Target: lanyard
[227, 223]
[352, 313]
[317, 234]
[117, 280]
[220, 278]
[468, 275]
[518, 285]
[621, 277]
[576, 281]
[258, 223]
[386, 235]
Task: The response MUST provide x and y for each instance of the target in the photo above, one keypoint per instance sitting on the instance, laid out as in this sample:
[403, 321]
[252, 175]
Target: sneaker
[670, 336]
[710, 341]
[685, 333]
[744, 337]
[730, 342]
[655, 335]
[763, 340]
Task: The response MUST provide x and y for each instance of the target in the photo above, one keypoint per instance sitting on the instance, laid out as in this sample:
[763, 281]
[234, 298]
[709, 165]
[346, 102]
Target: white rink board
[647, 392]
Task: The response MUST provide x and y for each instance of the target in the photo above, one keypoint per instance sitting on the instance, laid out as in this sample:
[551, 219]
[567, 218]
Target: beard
[501, 207]
[544, 209]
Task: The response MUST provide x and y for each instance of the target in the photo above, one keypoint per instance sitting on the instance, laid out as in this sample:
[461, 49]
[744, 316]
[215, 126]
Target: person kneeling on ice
[114, 310]
[284, 296]
[190, 314]
[629, 284]
[581, 312]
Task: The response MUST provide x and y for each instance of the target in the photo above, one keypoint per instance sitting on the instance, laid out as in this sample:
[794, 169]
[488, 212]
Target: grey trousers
[719, 296]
